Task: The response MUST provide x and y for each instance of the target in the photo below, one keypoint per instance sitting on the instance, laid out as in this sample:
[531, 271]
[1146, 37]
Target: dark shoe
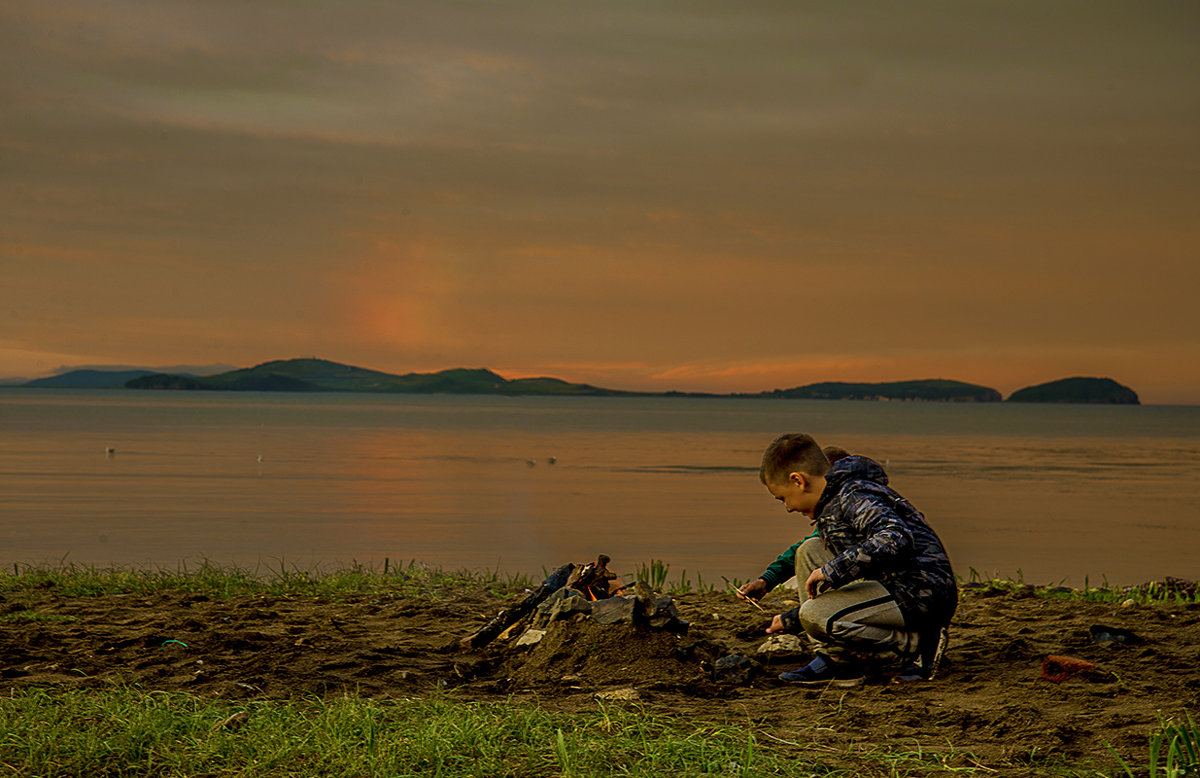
[823, 670]
[910, 673]
[930, 649]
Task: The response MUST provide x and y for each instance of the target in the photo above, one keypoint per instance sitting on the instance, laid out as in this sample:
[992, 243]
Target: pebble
[531, 637]
[1129, 603]
[781, 644]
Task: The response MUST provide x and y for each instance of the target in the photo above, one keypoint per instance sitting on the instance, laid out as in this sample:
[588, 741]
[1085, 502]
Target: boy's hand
[754, 590]
[776, 624]
[814, 583]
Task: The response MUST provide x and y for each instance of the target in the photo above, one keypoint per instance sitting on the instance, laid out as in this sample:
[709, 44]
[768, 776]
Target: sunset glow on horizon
[708, 197]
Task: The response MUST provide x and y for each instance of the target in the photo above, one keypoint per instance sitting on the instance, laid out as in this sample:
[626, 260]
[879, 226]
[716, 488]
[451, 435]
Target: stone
[563, 604]
[665, 605]
[734, 668]
[530, 637]
[782, 644]
[614, 610]
[666, 616]
[646, 596]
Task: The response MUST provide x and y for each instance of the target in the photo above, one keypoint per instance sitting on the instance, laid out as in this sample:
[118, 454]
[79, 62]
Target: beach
[989, 709]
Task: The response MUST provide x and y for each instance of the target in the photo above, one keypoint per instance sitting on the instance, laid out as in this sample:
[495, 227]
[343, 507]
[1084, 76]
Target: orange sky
[692, 196]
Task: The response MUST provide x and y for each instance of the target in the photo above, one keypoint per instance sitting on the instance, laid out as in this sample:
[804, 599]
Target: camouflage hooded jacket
[876, 534]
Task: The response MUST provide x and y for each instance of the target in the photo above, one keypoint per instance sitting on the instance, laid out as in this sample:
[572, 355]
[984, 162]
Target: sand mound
[584, 654]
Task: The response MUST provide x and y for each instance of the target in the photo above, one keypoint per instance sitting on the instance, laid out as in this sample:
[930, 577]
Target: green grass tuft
[1169, 591]
[656, 575]
[411, 579]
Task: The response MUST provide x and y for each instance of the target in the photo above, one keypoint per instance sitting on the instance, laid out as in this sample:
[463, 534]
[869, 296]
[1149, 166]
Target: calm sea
[316, 481]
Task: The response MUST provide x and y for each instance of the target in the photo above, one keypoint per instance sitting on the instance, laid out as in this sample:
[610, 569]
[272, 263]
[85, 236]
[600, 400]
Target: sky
[694, 196]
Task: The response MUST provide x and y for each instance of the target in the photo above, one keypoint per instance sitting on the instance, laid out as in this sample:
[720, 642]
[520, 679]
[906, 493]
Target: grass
[125, 731]
[406, 580]
[414, 579]
[657, 574]
[1174, 751]
[130, 732]
[1167, 592]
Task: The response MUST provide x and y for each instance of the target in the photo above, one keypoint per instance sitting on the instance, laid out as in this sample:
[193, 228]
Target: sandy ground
[990, 706]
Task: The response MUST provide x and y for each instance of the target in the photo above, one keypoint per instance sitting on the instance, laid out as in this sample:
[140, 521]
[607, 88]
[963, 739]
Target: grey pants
[809, 556]
[860, 617]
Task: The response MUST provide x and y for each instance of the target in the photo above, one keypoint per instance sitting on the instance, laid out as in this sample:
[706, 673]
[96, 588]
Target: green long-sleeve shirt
[784, 567]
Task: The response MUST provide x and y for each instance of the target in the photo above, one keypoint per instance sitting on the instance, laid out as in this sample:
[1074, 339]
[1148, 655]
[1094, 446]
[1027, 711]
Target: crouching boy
[889, 589]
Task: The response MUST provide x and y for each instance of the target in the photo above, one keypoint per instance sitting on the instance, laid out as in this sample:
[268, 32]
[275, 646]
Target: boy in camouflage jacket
[889, 587]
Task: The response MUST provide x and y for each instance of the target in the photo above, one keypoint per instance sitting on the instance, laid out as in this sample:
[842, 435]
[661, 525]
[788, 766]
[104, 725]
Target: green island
[937, 389]
[320, 375]
[1103, 391]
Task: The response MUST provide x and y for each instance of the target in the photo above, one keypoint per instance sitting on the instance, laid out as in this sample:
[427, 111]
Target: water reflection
[468, 482]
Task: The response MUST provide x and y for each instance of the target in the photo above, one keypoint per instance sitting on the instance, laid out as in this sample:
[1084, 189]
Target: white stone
[781, 644]
[530, 637]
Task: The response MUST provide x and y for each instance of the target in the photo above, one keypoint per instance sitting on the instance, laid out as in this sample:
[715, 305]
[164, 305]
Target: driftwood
[592, 580]
[509, 616]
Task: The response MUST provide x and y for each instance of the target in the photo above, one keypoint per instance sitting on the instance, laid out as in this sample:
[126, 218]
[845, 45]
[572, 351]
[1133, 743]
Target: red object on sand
[1057, 668]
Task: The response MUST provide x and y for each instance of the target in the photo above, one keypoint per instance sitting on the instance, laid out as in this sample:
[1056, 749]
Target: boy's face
[799, 492]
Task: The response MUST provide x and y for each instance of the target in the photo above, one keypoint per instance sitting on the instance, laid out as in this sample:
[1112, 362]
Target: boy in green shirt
[798, 560]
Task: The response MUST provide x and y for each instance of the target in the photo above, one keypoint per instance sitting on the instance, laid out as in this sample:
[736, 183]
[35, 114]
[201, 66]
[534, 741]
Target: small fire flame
[592, 580]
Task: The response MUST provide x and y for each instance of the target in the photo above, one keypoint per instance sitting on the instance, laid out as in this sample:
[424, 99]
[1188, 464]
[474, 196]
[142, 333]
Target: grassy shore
[124, 731]
[129, 731]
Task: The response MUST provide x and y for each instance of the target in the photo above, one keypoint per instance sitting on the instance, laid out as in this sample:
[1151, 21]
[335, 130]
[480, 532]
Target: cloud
[715, 194]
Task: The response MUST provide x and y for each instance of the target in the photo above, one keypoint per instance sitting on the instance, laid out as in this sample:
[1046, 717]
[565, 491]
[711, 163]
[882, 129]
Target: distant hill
[928, 390]
[320, 375]
[88, 379]
[1077, 390]
[111, 376]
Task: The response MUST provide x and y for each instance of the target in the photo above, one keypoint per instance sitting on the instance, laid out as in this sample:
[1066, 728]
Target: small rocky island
[1102, 391]
[926, 390]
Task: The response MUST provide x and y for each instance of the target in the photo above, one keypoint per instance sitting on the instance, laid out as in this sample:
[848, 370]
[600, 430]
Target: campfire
[577, 593]
[592, 579]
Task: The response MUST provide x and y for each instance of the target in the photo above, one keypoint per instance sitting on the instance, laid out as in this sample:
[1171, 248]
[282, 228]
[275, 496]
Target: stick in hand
[740, 596]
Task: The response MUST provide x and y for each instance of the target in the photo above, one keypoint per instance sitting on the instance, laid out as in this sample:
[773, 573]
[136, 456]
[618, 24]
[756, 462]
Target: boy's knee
[811, 554]
[814, 619]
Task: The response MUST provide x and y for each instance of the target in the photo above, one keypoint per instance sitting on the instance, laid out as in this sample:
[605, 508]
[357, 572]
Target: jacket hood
[853, 468]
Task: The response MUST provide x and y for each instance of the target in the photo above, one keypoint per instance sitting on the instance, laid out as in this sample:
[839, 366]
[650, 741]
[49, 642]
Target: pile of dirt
[991, 704]
[586, 655]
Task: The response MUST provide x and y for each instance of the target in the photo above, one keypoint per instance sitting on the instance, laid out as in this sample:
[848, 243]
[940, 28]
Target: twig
[781, 740]
[741, 596]
[981, 766]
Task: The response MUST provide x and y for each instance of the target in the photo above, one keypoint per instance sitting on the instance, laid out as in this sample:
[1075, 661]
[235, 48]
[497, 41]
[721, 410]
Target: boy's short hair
[795, 452]
[834, 453]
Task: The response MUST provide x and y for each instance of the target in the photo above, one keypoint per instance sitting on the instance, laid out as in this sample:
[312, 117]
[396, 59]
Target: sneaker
[823, 670]
[930, 650]
[910, 673]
